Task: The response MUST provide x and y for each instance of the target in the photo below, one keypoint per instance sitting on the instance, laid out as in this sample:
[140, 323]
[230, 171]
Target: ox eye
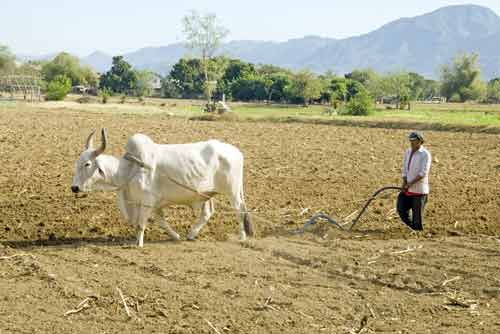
[87, 164]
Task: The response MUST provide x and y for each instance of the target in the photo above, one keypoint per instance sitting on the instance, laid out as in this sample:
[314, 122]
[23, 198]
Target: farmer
[416, 167]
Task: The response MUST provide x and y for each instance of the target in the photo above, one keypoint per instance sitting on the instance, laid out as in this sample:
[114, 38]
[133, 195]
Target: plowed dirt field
[58, 250]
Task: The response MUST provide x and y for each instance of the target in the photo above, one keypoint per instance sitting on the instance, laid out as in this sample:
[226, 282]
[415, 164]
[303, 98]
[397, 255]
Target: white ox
[151, 177]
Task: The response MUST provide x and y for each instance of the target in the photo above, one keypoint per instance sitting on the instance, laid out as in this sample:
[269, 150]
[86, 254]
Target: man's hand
[414, 181]
[405, 185]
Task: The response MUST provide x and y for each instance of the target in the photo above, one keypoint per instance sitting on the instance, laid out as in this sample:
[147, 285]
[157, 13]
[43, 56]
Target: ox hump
[138, 142]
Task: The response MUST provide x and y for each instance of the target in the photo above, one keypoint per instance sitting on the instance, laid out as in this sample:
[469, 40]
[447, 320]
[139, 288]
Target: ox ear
[100, 170]
[90, 140]
[104, 142]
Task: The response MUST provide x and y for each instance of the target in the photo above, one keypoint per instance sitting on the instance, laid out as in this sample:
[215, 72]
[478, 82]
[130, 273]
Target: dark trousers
[416, 204]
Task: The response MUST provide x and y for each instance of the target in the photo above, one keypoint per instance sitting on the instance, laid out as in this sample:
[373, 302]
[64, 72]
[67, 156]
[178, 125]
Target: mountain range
[420, 44]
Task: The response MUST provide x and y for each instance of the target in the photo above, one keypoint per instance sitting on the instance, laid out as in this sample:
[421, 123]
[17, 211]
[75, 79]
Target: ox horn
[90, 140]
[104, 141]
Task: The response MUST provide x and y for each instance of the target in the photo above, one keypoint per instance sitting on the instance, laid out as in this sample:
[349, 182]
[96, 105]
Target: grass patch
[474, 115]
[438, 115]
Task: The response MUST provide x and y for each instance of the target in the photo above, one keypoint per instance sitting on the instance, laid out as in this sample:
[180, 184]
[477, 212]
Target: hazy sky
[83, 26]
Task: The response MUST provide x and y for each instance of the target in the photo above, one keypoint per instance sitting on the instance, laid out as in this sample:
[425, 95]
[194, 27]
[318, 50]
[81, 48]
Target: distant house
[156, 84]
[79, 89]
[388, 99]
[84, 90]
[435, 99]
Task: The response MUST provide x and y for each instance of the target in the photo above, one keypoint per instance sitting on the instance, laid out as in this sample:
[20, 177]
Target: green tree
[338, 87]
[266, 69]
[90, 77]
[373, 83]
[204, 34]
[217, 68]
[493, 93]
[64, 64]
[326, 91]
[461, 80]
[378, 88]
[353, 88]
[235, 70]
[188, 75]
[28, 69]
[251, 87]
[58, 88]
[278, 90]
[144, 83]
[272, 78]
[398, 85]
[7, 59]
[305, 87]
[363, 76]
[416, 86]
[238, 69]
[431, 88]
[268, 86]
[171, 88]
[360, 105]
[121, 78]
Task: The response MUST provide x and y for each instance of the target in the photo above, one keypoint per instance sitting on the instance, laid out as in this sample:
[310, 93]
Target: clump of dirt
[229, 116]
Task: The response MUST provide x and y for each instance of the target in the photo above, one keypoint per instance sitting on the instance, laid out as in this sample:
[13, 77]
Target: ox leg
[164, 224]
[123, 205]
[238, 204]
[143, 214]
[205, 209]
[140, 235]
[134, 212]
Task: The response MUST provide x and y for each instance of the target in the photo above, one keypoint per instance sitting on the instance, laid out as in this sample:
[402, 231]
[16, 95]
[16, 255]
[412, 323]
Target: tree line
[65, 71]
[242, 81]
[237, 80]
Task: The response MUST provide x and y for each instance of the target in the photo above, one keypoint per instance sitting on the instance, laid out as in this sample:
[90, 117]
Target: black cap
[416, 136]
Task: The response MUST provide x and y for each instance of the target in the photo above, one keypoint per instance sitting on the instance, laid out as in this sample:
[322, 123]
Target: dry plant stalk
[212, 326]
[82, 306]
[124, 302]
[451, 280]
[407, 250]
[15, 255]
[267, 304]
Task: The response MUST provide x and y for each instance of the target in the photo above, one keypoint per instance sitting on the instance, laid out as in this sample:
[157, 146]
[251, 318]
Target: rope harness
[128, 156]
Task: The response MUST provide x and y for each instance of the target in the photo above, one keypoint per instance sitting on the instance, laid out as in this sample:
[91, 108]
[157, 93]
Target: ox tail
[247, 224]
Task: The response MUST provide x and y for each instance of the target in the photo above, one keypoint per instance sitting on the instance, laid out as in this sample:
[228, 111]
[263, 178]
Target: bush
[359, 105]
[104, 94]
[210, 107]
[58, 88]
[331, 111]
[455, 98]
[84, 100]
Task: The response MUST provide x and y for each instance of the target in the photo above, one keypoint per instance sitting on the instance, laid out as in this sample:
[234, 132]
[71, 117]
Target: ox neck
[111, 168]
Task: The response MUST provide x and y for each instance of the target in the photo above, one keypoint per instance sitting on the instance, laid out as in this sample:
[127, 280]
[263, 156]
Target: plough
[344, 227]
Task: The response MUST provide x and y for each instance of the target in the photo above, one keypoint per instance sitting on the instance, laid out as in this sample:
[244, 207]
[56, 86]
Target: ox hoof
[242, 238]
[175, 237]
[191, 236]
